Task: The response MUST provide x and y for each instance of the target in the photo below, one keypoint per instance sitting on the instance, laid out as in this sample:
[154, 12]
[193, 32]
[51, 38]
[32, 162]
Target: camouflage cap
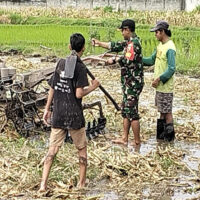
[160, 25]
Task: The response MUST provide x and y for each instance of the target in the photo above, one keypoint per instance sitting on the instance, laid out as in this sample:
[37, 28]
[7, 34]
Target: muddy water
[191, 159]
[101, 190]
[184, 182]
[186, 110]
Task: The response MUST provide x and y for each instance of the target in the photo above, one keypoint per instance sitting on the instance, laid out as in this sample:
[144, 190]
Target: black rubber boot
[160, 129]
[169, 132]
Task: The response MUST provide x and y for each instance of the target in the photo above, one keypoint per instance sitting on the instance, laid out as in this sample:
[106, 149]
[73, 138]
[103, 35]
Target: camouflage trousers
[130, 102]
[164, 102]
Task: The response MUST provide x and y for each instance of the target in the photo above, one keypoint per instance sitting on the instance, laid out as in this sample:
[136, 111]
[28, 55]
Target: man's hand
[95, 83]
[156, 82]
[46, 117]
[95, 42]
[110, 61]
[98, 43]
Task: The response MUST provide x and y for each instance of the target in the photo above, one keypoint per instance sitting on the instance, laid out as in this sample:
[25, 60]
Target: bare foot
[136, 146]
[80, 185]
[120, 141]
[135, 143]
[43, 187]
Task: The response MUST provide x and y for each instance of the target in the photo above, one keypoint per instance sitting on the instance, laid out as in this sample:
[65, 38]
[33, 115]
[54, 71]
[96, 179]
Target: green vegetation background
[33, 30]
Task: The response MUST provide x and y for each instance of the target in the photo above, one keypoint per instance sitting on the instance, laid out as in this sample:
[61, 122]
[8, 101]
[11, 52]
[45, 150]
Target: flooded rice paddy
[156, 170]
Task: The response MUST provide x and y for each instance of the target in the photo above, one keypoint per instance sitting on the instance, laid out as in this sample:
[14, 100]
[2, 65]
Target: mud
[186, 111]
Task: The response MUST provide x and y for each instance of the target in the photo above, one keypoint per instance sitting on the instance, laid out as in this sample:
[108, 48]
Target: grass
[29, 38]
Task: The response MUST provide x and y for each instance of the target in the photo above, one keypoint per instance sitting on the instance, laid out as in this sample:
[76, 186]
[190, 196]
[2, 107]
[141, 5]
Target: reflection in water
[100, 189]
[184, 182]
[191, 159]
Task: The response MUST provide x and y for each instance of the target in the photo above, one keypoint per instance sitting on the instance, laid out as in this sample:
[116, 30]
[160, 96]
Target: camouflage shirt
[131, 63]
[132, 77]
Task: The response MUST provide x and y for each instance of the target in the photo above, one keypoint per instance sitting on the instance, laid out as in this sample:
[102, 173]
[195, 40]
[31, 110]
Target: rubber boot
[169, 132]
[160, 129]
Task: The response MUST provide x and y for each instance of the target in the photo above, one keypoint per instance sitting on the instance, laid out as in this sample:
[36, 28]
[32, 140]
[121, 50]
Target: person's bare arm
[81, 92]
[47, 112]
[96, 42]
[49, 99]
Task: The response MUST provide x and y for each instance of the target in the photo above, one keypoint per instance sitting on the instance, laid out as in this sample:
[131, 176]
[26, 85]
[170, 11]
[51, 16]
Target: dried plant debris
[147, 17]
[155, 171]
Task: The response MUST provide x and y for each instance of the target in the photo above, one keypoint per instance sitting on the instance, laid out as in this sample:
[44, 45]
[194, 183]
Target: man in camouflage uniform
[131, 77]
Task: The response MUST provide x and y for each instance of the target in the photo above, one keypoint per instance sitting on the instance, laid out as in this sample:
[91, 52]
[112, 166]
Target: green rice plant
[186, 46]
[56, 37]
[111, 33]
[16, 18]
[197, 9]
[108, 9]
[97, 8]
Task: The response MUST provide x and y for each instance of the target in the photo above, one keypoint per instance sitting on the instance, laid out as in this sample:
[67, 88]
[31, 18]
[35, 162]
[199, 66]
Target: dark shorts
[164, 102]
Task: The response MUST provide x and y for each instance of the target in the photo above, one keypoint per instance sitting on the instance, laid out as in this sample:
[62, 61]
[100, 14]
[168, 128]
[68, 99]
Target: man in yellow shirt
[164, 59]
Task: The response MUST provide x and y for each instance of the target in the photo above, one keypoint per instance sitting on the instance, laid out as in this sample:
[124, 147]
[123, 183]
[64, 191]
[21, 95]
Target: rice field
[155, 171]
[56, 38]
